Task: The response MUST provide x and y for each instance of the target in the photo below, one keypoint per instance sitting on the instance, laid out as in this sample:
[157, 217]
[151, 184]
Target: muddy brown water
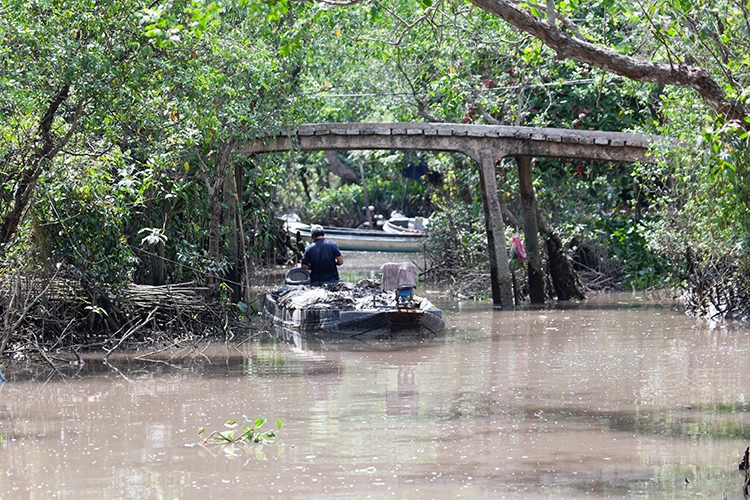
[620, 397]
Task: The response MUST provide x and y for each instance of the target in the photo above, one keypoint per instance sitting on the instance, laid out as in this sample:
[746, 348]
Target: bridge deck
[465, 138]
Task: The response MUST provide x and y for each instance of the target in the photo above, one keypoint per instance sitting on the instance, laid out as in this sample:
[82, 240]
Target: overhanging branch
[568, 47]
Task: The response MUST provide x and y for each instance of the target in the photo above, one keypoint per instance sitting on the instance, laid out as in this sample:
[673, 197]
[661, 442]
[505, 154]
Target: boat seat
[297, 276]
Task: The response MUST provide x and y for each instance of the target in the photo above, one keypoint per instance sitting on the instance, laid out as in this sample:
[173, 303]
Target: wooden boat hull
[366, 240]
[315, 342]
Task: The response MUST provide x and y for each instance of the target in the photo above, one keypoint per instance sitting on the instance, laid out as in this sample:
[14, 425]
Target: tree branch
[339, 168]
[568, 47]
[130, 332]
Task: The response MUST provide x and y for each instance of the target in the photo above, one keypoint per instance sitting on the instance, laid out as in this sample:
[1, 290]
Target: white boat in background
[364, 240]
[400, 224]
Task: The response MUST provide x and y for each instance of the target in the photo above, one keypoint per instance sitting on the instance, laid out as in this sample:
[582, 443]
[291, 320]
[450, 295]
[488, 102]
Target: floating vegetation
[251, 439]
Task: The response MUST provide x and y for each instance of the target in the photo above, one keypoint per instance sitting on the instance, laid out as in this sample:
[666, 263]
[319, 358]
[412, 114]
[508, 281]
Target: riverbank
[55, 319]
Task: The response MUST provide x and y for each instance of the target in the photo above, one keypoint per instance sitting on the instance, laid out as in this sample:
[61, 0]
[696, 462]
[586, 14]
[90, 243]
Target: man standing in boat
[322, 257]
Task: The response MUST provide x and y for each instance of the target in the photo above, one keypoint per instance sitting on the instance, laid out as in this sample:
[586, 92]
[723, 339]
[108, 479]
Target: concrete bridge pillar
[530, 230]
[502, 284]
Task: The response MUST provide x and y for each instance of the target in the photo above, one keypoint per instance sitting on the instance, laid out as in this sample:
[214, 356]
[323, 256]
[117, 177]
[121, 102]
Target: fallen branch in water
[130, 332]
[40, 350]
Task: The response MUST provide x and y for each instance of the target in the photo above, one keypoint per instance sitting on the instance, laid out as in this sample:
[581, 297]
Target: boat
[400, 224]
[385, 309]
[367, 240]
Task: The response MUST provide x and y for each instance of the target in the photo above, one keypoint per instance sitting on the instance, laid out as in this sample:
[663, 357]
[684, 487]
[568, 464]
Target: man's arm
[339, 260]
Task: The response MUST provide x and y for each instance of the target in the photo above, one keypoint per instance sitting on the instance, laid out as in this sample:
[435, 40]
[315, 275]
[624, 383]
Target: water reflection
[404, 399]
[602, 399]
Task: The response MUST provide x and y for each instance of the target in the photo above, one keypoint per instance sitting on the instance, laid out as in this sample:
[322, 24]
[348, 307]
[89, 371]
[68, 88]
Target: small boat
[400, 224]
[384, 309]
[368, 240]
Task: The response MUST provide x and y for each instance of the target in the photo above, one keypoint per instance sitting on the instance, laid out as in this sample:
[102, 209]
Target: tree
[667, 20]
[696, 45]
[160, 94]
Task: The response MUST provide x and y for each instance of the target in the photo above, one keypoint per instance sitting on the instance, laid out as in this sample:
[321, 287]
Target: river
[619, 397]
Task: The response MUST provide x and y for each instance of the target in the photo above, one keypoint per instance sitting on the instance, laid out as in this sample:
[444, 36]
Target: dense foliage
[123, 124]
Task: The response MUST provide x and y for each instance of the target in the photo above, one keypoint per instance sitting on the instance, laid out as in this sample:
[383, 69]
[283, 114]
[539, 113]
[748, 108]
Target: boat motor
[405, 297]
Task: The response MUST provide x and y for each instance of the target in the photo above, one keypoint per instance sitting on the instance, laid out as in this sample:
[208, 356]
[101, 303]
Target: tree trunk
[158, 265]
[564, 278]
[246, 269]
[45, 152]
[214, 225]
[215, 190]
[232, 248]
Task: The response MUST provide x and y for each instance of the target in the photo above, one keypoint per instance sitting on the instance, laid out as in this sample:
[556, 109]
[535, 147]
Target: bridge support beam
[502, 284]
[530, 230]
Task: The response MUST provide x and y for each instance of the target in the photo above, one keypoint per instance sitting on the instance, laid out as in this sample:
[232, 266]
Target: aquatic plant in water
[250, 436]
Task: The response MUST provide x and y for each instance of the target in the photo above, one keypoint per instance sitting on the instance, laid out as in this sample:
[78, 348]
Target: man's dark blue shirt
[321, 257]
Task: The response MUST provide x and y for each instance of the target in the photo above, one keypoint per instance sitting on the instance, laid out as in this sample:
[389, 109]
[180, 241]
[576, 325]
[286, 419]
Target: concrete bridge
[486, 145]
